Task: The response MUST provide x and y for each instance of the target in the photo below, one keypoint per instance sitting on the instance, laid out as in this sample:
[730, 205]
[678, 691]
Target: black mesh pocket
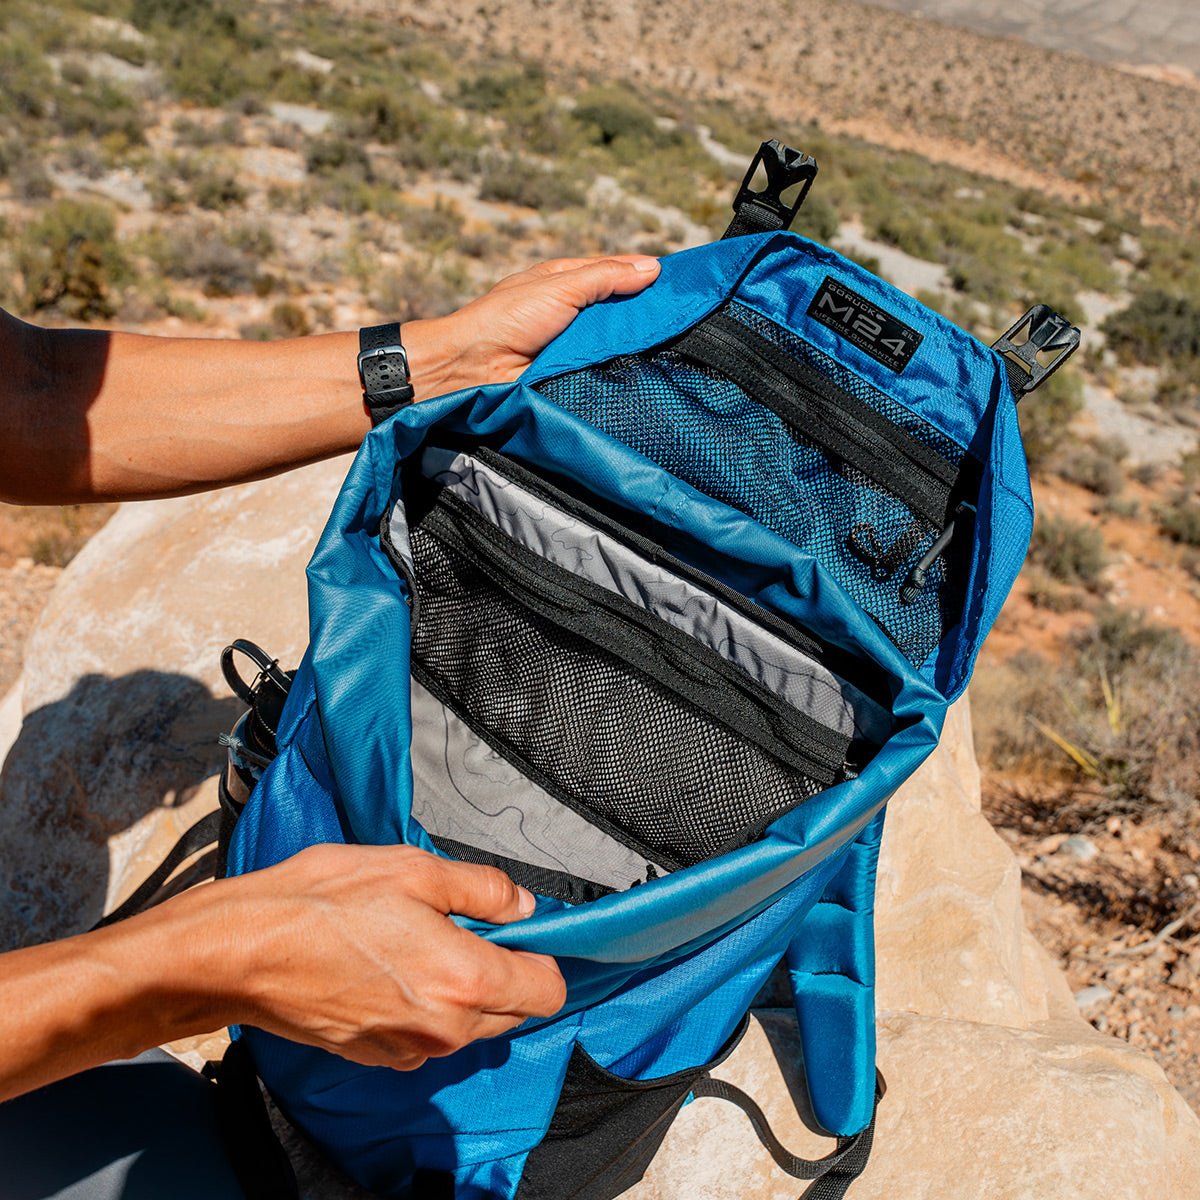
[750, 414]
[651, 736]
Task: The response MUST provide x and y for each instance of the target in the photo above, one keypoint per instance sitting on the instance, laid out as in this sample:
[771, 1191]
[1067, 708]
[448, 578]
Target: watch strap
[383, 371]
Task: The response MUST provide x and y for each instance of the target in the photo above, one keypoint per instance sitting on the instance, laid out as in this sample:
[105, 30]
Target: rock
[1081, 848]
[1086, 997]
[122, 695]
[997, 1088]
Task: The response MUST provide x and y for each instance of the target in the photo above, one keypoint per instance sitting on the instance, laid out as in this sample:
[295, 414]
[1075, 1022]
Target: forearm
[89, 415]
[348, 948]
[71, 1005]
[112, 415]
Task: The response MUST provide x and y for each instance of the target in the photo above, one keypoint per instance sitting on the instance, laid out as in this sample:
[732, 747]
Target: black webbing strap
[764, 211]
[259, 1161]
[833, 1174]
[156, 887]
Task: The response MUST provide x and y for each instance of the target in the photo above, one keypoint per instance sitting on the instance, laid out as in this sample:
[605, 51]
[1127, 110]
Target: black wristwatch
[383, 371]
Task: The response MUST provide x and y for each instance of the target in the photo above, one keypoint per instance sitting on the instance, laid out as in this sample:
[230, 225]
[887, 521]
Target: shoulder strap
[251, 749]
[258, 1159]
[834, 1173]
[160, 885]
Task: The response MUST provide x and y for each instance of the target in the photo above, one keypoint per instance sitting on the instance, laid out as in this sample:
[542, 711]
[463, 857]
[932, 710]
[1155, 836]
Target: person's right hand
[350, 948]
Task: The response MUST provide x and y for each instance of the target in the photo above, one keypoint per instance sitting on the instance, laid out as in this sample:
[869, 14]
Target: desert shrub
[1092, 468]
[337, 155]
[226, 132]
[1120, 710]
[1155, 328]
[1179, 385]
[515, 180]
[222, 261]
[416, 290]
[1133, 713]
[1046, 415]
[434, 228]
[817, 219]
[1181, 521]
[69, 260]
[1046, 592]
[502, 92]
[616, 118]
[57, 541]
[99, 109]
[217, 190]
[28, 91]
[287, 320]
[1069, 551]
[291, 319]
[386, 115]
[209, 54]
[24, 170]
[1007, 698]
[1081, 260]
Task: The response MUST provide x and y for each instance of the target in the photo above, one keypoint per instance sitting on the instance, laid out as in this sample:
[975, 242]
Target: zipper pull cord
[914, 583]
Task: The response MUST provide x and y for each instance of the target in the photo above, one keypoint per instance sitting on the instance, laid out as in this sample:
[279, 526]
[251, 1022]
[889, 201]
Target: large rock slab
[122, 698]
[996, 1088]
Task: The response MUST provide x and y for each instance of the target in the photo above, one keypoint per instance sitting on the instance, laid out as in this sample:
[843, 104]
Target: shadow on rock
[85, 768]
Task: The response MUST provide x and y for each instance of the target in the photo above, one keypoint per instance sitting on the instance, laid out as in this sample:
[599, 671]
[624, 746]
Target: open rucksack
[658, 630]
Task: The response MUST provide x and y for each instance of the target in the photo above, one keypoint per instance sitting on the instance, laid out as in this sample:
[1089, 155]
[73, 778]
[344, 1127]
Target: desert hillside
[1163, 34]
[986, 103]
[273, 170]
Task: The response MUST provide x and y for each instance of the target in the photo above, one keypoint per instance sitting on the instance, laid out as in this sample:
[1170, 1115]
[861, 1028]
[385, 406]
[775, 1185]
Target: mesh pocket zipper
[649, 735]
[828, 416]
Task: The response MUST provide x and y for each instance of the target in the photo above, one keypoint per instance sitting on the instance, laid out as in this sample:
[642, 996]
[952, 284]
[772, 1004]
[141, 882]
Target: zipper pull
[914, 583]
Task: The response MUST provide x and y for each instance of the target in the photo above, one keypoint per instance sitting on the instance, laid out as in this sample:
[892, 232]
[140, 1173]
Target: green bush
[514, 180]
[100, 110]
[69, 260]
[503, 92]
[28, 88]
[222, 261]
[817, 219]
[436, 228]
[1179, 385]
[338, 156]
[1155, 328]
[1069, 551]
[416, 290]
[218, 191]
[1181, 522]
[1046, 415]
[1132, 714]
[1096, 467]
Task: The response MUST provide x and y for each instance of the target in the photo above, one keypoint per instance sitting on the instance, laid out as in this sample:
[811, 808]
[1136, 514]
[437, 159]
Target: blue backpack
[658, 630]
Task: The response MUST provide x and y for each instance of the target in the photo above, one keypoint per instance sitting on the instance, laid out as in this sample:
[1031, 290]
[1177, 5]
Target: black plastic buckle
[1040, 331]
[785, 168]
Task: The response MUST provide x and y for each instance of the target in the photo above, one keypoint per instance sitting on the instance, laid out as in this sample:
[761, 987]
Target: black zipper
[825, 414]
[869, 679]
[647, 645]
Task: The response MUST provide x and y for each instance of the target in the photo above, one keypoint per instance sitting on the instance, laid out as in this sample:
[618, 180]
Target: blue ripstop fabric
[658, 976]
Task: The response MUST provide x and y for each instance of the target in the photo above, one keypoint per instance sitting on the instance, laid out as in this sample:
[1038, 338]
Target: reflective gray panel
[464, 790]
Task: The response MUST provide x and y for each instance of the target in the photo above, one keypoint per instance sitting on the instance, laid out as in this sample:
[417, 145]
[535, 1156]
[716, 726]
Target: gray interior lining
[570, 543]
[465, 791]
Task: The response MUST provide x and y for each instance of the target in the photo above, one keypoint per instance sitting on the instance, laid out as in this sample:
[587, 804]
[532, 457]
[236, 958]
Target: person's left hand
[494, 338]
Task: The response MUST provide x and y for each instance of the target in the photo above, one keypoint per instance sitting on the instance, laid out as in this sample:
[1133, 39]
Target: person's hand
[494, 338]
[351, 949]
